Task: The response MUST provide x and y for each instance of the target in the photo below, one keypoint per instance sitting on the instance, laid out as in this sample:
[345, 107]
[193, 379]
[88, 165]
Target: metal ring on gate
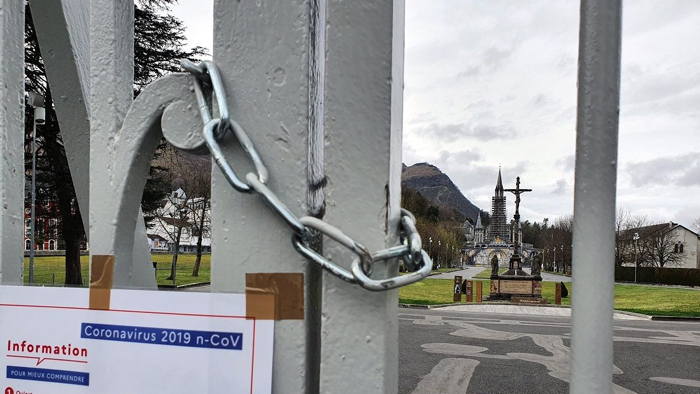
[221, 161]
[207, 71]
[364, 256]
[396, 281]
[412, 239]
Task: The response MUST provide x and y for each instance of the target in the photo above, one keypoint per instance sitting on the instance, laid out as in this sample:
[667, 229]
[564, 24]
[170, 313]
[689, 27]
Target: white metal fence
[320, 83]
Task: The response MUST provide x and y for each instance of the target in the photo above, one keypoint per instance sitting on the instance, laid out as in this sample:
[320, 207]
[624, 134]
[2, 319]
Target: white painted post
[111, 94]
[275, 62]
[594, 196]
[363, 124]
[261, 50]
[11, 141]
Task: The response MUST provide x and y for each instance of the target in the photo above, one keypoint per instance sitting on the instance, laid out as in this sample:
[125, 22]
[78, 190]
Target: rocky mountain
[438, 188]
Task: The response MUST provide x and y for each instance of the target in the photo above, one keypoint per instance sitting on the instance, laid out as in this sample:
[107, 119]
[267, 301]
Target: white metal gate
[318, 83]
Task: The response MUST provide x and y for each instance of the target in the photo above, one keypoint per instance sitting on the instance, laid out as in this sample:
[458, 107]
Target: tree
[443, 227]
[159, 45]
[621, 245]
[187, 208]
[198, 180]
[172, 218]
[626, 225]
[660, 250]
[53, 179]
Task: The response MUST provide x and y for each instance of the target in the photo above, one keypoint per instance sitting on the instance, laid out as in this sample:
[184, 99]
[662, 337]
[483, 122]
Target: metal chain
[207, 78]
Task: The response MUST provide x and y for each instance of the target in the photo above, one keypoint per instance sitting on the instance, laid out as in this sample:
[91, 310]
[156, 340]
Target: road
[547, 277]
[466, 273]
[448, 351]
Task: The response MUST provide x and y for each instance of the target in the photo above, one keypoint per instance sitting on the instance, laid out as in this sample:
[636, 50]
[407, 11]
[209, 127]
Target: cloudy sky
[491, 83]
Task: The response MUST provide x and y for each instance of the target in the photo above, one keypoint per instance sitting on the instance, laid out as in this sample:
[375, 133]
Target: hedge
[666, 276]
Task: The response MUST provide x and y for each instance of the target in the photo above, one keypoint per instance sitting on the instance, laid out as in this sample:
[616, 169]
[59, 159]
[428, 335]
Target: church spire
[479, 226]
[499, 185]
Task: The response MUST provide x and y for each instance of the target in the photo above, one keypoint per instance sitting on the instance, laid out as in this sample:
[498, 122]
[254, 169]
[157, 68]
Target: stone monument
[494, 267]
[516, 284]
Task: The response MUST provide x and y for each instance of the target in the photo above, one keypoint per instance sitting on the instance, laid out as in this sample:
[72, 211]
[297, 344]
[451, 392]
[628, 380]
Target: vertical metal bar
[363, 121]
[262, 51]
[11, 141]
[111, 94]
[594, 196]
[111, 80]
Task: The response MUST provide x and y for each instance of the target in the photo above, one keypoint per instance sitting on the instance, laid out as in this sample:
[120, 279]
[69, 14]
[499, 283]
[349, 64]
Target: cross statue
[517, 191]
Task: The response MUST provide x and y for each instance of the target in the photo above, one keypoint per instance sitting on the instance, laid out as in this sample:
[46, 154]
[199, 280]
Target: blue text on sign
[163, 336]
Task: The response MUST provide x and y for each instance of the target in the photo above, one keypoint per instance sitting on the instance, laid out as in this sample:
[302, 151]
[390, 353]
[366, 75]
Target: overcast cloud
[493, 82]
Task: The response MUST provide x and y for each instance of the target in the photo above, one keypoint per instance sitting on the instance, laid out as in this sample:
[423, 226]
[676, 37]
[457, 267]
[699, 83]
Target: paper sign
[148, 342]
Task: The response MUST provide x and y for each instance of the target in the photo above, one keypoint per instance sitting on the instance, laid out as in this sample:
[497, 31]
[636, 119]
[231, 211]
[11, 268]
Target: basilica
[496, 239]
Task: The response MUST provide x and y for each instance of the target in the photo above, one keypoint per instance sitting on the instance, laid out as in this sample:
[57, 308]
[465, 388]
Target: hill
[438, 188]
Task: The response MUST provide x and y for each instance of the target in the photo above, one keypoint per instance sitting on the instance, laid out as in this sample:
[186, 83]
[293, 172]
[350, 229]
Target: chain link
[207, 79]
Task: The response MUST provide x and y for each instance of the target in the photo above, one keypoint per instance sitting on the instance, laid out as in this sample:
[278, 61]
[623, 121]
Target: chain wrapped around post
[415, 259]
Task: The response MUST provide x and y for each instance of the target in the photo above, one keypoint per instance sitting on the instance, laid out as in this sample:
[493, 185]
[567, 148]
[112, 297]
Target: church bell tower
[499, 225]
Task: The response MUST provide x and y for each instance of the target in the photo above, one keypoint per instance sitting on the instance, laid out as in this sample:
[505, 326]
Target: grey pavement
[488, 348]
[448, 351]
[536, 310]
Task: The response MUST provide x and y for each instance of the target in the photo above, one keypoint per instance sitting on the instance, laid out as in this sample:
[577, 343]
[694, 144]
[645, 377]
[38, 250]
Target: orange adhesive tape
[275, 296]
[101, 274]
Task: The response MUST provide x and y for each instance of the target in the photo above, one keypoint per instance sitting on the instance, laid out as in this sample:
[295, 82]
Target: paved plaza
[452, 350]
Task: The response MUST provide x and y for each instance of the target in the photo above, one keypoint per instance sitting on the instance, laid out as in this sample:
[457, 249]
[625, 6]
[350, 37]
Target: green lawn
[50, 270]
[649, 300]
[185, 263]
[657, 300]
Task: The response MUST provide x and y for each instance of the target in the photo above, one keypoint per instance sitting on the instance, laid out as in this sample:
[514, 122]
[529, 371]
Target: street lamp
[37, 102]
[636, 260]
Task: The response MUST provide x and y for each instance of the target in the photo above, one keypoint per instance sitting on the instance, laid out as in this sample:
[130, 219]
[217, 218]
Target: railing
[299, 74]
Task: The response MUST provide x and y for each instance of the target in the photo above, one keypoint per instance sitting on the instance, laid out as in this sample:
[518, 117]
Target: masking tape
[101, 274]
[274, 296]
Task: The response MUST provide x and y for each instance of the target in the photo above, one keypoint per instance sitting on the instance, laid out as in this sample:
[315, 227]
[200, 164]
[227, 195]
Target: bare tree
[197, 176]
[171, 219]
[660, 250]
[186, 209]
[621, 243]
[557, 240]
[626, 225]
